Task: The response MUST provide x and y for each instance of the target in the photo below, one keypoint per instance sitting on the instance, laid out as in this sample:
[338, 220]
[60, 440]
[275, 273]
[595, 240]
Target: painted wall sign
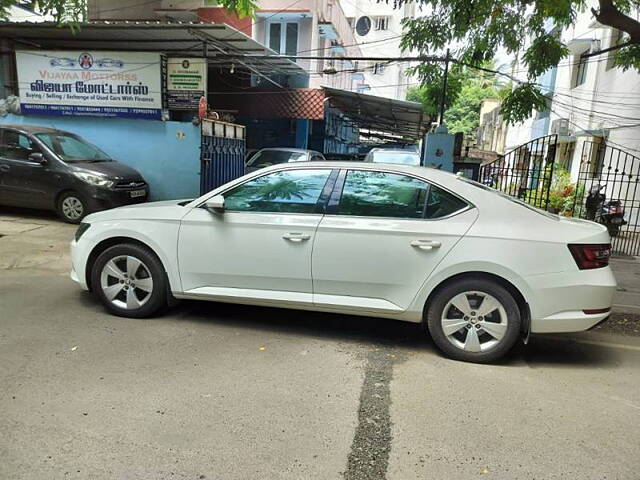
[186, 82]
[93, 83]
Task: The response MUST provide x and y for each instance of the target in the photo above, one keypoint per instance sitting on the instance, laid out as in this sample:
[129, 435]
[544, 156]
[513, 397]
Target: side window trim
[323, 199]
[336, 194]
[426, 200]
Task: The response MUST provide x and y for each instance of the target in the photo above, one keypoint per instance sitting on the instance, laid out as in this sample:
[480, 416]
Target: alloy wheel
[474, 321]
[72, 208]
[126, 282]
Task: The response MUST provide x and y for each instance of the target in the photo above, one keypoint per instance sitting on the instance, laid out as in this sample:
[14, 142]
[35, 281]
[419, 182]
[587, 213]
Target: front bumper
[105, 199]
[560, 300]
[79, 254]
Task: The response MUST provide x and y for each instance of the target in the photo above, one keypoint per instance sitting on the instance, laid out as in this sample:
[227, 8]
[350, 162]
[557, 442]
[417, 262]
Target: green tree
[466, 89]
[73, 12]
[475, 30]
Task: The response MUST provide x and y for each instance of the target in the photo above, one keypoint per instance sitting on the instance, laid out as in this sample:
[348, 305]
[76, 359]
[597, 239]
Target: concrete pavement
[231, 392]
[627, 272]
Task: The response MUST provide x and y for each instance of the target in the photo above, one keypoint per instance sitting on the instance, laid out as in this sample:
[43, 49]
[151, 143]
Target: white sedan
[480, 269]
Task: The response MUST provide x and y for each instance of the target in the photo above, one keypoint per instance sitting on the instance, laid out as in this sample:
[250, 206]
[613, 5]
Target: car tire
[130, 281]
[485, 333]
[72, 207]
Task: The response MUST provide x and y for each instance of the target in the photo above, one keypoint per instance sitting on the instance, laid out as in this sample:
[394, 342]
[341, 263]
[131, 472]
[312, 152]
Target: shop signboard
[186, 82]
[90, 83]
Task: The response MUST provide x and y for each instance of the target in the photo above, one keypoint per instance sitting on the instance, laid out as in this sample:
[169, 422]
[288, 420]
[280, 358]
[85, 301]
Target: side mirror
[37, 158]
[215, 204]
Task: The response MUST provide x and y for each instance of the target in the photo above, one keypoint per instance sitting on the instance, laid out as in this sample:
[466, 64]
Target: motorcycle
[609, 213]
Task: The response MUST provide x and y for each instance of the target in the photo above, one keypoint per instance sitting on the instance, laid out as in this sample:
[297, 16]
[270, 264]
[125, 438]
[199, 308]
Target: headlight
[94, 179]
[81, 229]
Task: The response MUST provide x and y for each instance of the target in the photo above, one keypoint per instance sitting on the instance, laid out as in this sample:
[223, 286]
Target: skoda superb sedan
[479, 269]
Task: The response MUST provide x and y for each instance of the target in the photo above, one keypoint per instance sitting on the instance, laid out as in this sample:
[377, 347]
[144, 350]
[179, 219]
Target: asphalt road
[230, 392]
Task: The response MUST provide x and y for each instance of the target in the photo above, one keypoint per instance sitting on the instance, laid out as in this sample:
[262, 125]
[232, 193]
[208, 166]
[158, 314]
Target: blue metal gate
[222, 152]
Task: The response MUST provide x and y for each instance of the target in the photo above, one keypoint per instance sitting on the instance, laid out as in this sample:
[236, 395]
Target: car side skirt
[348, 305]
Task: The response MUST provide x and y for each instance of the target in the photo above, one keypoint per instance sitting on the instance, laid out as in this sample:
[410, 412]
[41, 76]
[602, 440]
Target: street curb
[633, 309]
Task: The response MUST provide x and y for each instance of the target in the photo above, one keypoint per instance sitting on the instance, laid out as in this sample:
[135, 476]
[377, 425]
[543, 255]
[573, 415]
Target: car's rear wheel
[72, 207]
[130, 281]
[474, 320]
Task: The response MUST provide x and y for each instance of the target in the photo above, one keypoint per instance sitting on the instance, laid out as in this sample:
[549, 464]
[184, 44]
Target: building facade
[313, 28]
[591, 101]
[377, 27]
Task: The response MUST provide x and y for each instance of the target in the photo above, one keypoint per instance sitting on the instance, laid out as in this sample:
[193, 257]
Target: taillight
[590, 256]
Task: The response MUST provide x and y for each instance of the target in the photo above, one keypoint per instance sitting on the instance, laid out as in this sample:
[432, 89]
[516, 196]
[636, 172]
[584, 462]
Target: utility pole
[443, 97]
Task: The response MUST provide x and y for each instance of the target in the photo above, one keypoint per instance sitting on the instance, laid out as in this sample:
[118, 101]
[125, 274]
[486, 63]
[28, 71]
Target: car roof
[393, 150]
[287, 149]
[31, 128]
[426, 172]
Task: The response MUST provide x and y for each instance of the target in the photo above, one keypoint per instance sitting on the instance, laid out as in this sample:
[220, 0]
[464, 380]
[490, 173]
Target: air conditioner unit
[560, 126]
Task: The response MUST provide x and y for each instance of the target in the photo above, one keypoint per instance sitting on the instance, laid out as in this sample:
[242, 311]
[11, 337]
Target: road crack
[369, 455]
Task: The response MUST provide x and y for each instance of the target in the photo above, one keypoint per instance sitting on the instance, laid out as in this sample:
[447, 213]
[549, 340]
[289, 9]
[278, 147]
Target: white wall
[391, 83]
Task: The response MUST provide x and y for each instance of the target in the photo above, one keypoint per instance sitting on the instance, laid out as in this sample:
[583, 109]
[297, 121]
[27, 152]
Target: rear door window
[369, 193]
[381, 194]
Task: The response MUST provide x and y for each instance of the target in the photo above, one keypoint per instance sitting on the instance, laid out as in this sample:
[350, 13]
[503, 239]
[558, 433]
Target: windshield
[401, 158]
[266, 158]
[512, 199]
[71, 148]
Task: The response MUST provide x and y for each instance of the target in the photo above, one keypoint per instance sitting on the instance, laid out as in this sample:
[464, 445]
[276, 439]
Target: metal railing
[525, 172]
[618, 173]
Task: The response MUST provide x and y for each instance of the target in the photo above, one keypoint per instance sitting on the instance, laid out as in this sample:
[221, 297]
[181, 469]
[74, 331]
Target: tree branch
[609, 15]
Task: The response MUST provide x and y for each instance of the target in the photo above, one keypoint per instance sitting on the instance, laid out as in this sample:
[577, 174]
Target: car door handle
[4, 168]
[425, 244]
[296, 237]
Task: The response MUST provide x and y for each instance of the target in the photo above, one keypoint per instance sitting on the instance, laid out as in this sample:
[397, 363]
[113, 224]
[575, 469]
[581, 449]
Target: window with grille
[581, 69]
[378, 68]
[382, 23]
[617, 38]
[283, 37]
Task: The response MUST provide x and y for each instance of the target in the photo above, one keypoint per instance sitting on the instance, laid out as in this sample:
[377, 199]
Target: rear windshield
[273, 157]
[399, 158]
[511, 199]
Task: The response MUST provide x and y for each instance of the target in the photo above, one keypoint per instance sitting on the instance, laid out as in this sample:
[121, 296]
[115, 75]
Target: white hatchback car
[478, 268]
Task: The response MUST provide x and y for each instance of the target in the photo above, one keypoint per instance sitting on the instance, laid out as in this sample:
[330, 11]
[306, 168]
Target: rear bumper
[560, 300]
[566, 322]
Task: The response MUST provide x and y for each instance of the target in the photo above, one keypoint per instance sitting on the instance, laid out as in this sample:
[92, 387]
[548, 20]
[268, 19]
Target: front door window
[288, 191]
[17, 146]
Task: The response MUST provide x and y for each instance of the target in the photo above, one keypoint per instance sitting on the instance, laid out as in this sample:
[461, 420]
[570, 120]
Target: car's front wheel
[474, 319]
[72, 207]
[130, 281]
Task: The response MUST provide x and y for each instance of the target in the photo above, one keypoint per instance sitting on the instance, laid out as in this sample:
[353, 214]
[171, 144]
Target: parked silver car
[399, 157]
[273, 156]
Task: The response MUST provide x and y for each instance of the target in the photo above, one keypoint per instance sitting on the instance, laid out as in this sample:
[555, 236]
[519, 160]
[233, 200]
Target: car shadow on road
[348, 328]
[28, 214]
[564, 351]
[403, 337]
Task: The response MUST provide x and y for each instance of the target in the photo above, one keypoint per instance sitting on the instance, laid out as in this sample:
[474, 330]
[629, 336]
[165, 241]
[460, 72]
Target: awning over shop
[379, 114]
[173, 38]
[262, 104]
